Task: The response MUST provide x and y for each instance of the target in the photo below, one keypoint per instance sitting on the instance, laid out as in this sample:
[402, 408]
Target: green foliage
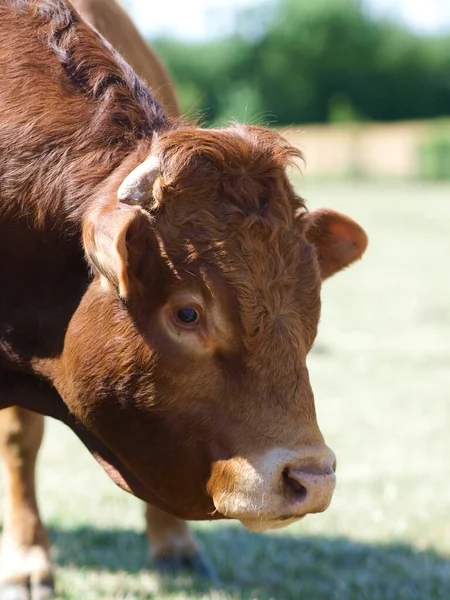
[434, 153]
[291, 60]
[341, 110]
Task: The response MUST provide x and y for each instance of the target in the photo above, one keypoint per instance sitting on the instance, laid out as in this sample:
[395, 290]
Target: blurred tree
[302, 62]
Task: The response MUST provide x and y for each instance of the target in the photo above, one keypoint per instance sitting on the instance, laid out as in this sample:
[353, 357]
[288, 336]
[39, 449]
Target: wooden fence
[365, 149]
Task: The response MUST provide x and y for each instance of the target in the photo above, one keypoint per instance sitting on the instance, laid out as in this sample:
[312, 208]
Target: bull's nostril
[334, 467]
[294, 486]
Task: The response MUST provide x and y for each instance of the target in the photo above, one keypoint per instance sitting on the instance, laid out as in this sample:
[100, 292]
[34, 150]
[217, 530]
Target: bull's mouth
[260, 525]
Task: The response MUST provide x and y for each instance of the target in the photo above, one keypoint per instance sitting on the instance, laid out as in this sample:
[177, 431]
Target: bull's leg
[25, 569]
[172, 544]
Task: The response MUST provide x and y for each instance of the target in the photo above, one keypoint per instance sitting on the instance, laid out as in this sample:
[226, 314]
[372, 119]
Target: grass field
[381, 373]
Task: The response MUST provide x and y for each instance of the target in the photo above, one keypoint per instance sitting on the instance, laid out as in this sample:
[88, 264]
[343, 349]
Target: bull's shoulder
[71, 109]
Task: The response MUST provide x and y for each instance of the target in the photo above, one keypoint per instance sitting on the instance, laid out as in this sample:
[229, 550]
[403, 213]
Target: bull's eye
[187, 316]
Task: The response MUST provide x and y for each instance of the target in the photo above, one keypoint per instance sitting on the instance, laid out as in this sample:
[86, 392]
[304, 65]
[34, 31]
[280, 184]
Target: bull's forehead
[277, 285]
[230, 175]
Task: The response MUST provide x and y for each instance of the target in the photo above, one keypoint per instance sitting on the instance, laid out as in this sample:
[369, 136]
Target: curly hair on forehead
[236, 149]
[242, 165]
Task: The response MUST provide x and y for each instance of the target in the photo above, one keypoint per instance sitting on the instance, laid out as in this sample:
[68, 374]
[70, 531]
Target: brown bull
[181, 363]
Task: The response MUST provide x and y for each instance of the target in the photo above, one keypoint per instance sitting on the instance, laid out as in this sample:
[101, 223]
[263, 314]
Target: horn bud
[137, 187]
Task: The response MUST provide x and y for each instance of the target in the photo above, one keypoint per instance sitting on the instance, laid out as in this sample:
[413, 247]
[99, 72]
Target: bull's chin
[260, 525]
[276, 513]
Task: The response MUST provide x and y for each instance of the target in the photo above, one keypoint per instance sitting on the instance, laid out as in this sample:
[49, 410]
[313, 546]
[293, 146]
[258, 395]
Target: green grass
[381, 374]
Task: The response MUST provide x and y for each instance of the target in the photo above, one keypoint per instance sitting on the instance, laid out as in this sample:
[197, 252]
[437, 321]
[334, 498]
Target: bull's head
[186, 359]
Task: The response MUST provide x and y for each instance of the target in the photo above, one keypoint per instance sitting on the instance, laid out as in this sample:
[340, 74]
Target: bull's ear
[114, 239]
[339, 240]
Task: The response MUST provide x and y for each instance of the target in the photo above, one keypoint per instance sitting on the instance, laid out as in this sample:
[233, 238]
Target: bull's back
[115, 25]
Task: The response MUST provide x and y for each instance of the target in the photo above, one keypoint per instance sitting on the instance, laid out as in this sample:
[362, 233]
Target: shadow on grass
[275, 566]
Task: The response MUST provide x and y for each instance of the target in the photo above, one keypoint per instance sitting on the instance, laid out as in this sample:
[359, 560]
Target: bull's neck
[43, 271]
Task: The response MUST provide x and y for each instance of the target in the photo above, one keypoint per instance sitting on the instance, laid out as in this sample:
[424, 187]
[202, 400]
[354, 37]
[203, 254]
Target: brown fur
[115, 25]
[86, 113]
[169, 412]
